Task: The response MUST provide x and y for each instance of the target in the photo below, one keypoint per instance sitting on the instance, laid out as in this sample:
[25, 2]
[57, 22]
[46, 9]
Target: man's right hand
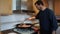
[31, 18]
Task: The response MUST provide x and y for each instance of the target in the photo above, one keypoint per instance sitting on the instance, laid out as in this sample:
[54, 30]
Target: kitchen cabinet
[5, 7]
[57, 7]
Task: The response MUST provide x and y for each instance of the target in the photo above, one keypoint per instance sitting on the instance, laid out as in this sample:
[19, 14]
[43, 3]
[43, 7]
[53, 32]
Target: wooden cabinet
[6, 7]
[34, 7]
[30, 4]
[57, 7]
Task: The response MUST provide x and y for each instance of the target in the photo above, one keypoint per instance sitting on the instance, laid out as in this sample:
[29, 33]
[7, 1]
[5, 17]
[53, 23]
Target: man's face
[38, 6]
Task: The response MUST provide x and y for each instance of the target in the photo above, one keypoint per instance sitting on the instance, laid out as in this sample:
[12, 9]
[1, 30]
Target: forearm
[54, 32]
[32, 18]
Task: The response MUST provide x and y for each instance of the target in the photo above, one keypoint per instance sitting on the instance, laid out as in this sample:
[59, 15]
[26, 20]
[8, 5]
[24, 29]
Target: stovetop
[24, 31]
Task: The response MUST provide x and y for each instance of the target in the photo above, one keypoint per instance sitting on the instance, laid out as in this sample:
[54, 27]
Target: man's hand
[54, 32]
[31, 18]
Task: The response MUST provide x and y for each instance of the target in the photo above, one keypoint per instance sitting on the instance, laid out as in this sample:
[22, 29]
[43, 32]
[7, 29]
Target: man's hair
[39, 3]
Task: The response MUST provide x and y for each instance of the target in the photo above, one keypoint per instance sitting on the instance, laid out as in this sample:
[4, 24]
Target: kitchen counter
[8, 31]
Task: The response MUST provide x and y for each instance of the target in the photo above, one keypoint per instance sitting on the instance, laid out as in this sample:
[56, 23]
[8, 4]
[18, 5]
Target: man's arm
[31, 18]
[34, 17]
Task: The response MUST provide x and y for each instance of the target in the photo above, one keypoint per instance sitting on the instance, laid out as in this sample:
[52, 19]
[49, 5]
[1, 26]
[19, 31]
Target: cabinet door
[34, 7]
[6, 7]
[30, 4]
[57, 7]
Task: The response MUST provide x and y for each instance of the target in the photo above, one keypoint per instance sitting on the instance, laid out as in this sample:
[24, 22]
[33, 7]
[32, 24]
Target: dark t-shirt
[47, 20]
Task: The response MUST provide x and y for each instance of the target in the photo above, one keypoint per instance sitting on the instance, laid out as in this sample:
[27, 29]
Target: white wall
[13, 4]
[19, 5]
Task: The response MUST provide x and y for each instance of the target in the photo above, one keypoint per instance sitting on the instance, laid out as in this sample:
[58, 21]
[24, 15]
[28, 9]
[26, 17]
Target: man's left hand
[54, 32]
